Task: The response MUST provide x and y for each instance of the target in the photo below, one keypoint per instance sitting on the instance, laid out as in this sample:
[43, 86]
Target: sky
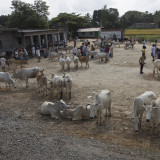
[88, 6]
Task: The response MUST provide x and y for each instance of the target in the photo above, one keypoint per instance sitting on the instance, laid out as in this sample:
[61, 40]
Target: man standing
[3, 63]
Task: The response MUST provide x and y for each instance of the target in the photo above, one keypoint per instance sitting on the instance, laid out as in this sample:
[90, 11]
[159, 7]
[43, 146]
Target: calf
[139, 106]
[84, 59]
[68, 84]
[42, 82]
[153, 114]
[57, 84]
[6, 78]
[75, 59]
[62, 63]
[53, 110]
[68, 62]
[78, 113]
[156, 66]
[102, 101]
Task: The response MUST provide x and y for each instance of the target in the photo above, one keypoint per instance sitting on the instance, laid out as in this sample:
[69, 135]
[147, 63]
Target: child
[141, 62]
[3, 63]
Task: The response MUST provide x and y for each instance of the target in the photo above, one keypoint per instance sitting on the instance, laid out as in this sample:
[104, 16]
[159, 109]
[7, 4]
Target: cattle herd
[147, 102]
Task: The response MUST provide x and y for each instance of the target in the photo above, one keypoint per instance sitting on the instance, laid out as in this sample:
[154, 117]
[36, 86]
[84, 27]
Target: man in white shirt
[3, 63]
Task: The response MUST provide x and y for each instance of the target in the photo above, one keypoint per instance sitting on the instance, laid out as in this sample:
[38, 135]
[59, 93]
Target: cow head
[93, 110]
[62, 105]
[135, 121]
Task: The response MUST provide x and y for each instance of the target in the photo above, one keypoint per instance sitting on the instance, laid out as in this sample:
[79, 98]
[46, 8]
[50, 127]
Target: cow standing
[102, 101]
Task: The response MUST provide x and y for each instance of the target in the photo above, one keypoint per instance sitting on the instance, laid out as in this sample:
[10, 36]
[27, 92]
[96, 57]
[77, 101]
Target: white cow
[156, 65]
[139, 106]
[62, 63]
[153, 113]
[78, 113]
[53, 110]
[26, 73]
[92, 53]
[68, 62]
[102, 101]
[101, 55]
[76, 60]
[68, 84]
[53, 55]
[6, 78]
[57, 85]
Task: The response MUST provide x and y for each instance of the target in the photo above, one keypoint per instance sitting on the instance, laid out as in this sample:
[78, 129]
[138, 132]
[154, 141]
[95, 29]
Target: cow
[153, 113]
[67, 82]
[52, 109]
[78, 113]
[156, 65]
[139, 106]
[53, 55]
[101, 55]
[92, 53]
[42, 82]
[75, 60]
[68, 62]
[57, 85]
[26, 73]
[84, 59]
[6, 78]
[102, 101]
[62, 63]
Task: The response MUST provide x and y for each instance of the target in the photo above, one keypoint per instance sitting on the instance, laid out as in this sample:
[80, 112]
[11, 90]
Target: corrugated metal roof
[89, 30]
[35, 30]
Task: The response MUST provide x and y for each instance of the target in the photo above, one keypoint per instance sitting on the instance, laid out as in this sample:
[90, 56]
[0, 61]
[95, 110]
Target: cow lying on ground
[139, 106]
[26, 73]
[102, 101]
[53, 110]
[153, 114]
[6, 78]
[78, 113]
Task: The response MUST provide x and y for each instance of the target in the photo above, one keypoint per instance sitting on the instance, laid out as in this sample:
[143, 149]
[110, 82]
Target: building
[112, 34]
[144, 26]
[11, 38]
[89, 33]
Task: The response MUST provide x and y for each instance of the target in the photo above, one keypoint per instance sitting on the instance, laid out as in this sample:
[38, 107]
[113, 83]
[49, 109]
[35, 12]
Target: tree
[26, 15]
[3, 20]
[157, 18]
[72, 21]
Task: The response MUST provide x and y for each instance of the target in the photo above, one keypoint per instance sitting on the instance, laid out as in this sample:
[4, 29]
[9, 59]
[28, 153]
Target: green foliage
[107, 18]
[3, 20]
[157, 18]
[28, 16]
[72, 22]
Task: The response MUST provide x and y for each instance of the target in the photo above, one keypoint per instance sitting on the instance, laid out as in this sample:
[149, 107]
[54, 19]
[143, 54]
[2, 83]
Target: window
[90, 33]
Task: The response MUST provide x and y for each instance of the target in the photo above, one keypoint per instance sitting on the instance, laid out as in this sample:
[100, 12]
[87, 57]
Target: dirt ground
[26, 134]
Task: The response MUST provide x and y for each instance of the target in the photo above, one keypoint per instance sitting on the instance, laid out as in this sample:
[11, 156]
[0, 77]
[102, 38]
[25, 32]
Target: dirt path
[26, 134]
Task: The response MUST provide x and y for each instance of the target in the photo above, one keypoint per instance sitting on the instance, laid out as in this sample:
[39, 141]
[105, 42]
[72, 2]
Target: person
[74, 42]
[3, 63]
[25, 54]
[82, 48]
[33, 51]
[38, 54]
[156, 41]
[111, 50]
[92, 48]
[74, 51]
[85, 50]
[141, 63]
[153, 51]
[158, 53]
[101, 49]
[16, 54]
[106, 50]
[144, 51]
[144, 43]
